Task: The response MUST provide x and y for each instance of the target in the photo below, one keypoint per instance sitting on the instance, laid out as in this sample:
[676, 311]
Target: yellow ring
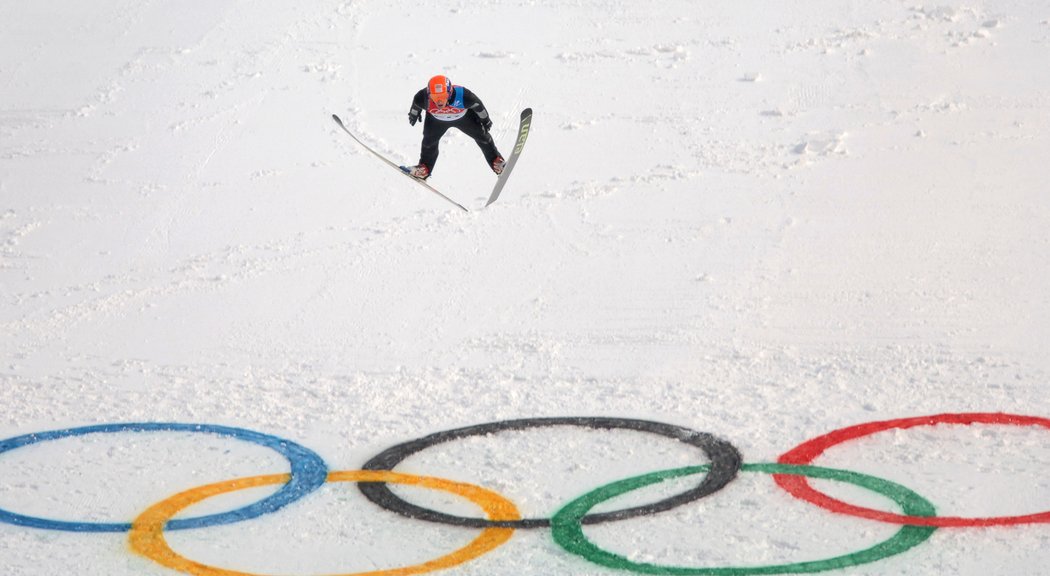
[147, 531]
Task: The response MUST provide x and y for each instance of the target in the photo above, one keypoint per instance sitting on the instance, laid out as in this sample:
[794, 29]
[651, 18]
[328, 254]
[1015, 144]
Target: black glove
[486, 123]
[413, 116]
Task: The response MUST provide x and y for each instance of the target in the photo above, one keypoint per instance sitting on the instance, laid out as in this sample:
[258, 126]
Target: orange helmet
[439, 89]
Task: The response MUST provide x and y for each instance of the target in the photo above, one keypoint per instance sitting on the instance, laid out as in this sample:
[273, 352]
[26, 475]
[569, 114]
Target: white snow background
[762, 220]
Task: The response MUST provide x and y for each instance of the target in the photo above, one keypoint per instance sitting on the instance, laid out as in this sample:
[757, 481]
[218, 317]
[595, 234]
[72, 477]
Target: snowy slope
[758, 221]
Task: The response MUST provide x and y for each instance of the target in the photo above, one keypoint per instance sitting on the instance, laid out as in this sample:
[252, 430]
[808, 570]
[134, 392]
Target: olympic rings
[147, 534]
[725, 461]
[918, 519]
[806, 452]
[308, 472]
[568, 531]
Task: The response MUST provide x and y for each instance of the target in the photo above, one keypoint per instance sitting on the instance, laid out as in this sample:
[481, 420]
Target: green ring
[568, 532]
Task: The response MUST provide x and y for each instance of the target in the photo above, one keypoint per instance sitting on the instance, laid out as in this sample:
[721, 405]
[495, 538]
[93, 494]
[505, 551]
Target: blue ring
[309, 472]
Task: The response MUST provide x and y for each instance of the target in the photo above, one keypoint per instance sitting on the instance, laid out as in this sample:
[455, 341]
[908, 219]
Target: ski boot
[419, 171]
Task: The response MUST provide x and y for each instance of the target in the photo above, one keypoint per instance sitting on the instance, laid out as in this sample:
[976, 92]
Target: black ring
[725, 463]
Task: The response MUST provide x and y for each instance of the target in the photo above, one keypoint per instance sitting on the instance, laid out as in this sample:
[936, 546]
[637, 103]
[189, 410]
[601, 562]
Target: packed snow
[762, 221]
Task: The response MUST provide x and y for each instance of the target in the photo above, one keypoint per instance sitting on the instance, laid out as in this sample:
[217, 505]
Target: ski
[396, 166]
[523, 133]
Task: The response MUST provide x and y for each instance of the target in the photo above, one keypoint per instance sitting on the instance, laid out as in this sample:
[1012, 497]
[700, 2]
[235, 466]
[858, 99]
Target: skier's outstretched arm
[419, 102]
[475, 105]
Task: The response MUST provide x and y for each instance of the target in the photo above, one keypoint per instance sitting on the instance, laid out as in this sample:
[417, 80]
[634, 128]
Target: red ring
[805, 453]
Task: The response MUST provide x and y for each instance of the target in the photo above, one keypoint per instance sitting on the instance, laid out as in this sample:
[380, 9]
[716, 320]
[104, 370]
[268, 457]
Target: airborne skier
[449, 106]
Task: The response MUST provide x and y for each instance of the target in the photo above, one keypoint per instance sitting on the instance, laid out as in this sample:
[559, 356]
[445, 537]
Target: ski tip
[526, 112]
[336, 118]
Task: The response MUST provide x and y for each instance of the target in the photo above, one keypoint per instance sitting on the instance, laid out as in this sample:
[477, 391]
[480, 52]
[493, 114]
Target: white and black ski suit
[465, 111]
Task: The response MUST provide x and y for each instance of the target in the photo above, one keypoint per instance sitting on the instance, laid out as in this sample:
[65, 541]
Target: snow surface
[761, 220]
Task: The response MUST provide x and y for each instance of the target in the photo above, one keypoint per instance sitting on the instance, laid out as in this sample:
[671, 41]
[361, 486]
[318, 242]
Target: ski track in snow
[761, 222]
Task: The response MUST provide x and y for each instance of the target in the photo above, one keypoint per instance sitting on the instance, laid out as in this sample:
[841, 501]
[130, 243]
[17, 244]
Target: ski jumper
[465, 111]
